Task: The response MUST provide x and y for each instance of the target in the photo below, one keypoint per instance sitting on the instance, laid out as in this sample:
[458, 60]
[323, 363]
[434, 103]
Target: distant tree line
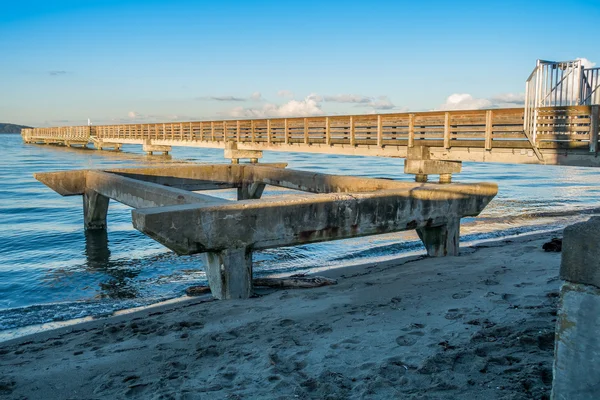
[11, 128]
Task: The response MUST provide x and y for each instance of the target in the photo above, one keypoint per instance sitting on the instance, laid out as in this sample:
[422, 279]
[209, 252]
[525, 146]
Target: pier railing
[556, 127]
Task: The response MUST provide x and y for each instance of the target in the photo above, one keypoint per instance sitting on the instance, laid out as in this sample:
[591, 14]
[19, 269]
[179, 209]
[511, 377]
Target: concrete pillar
[97, 252]
[250, 191]
[445, 178]
[577, 342]
[229, 273]
[421, 178]
[441, 240]
[95, 209]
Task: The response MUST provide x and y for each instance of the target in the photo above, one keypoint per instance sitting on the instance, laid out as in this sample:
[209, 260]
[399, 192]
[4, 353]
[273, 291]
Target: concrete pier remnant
[332, 207]
[234, 154]
[149, 148]
[418, 162]
[577, 347]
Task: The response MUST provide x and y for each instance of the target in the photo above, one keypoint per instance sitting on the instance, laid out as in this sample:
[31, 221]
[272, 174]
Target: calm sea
[51, 270]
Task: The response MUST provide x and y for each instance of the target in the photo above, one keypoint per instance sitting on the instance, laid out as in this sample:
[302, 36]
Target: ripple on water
[51, 270]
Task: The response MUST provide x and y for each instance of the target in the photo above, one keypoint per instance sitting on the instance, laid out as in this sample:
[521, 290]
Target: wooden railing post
[286, 136]
[411, 130]
[305, 130]
[447, 130]
[594, 126]
[212, 131]
[379, 132]
[488, 129]
[268, 131]
[237, 131]
[252, 133]
[352, 132]
[327, 132]
[225, 131]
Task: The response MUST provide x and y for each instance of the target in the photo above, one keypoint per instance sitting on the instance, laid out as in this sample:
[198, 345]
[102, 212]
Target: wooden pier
[565, 135]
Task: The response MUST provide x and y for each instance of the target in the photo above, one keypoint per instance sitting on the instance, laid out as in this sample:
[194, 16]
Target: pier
[559, 125]
[431, 142]
[331, 207]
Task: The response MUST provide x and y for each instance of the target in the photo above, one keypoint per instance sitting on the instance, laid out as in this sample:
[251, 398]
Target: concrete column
[250, 191]
[577, 342]
[229, 273]
[95, 209]
[441, 240]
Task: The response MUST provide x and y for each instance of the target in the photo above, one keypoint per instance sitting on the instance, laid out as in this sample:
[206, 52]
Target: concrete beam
[234, 154]
[294, 220]
[193, 176]
[138, 194]
[65, 183]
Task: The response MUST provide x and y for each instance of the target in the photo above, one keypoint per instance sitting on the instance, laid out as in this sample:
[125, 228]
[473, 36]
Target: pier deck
[564, 135]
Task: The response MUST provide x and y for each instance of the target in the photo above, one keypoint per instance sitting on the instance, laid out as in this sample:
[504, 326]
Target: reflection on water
[51, 269]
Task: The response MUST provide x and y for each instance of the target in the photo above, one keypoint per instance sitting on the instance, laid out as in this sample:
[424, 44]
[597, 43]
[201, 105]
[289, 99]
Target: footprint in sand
[461, 295]
[455, 313]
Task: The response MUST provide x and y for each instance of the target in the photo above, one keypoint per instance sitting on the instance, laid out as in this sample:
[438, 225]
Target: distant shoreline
[6, 128]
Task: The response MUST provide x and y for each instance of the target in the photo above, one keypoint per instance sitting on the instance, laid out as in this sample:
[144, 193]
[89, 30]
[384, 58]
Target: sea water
[52, 270]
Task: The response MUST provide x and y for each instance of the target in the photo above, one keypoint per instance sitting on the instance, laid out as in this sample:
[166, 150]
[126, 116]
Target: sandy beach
[476, 326]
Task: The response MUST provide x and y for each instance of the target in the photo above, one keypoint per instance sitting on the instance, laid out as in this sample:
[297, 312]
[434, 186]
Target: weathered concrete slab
[295, 220]
[581, 253]
[65, 183]
[431, 167]
[577, 348]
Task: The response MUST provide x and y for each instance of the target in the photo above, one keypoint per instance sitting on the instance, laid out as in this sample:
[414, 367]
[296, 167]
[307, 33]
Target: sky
[62, 62]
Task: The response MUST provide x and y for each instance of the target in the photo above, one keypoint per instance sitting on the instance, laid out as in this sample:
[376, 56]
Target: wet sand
[476, 326]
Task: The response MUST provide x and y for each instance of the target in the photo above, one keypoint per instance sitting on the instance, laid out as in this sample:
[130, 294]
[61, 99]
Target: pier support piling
[250, 191]
[441, 240]
[95, 209]
[229, 273]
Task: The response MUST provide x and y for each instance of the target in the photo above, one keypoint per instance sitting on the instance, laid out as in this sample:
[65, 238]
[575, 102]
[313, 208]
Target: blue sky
[141, 61]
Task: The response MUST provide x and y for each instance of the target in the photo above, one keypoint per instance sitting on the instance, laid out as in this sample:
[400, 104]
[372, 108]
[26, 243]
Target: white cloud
[586, 63]
[465, 101]
[285, 93]
[133, 115]
[308, 107]
[509, 98]
[348, 98]
[224, 98]
[382, 103]
[256, 96]
[376, 103]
